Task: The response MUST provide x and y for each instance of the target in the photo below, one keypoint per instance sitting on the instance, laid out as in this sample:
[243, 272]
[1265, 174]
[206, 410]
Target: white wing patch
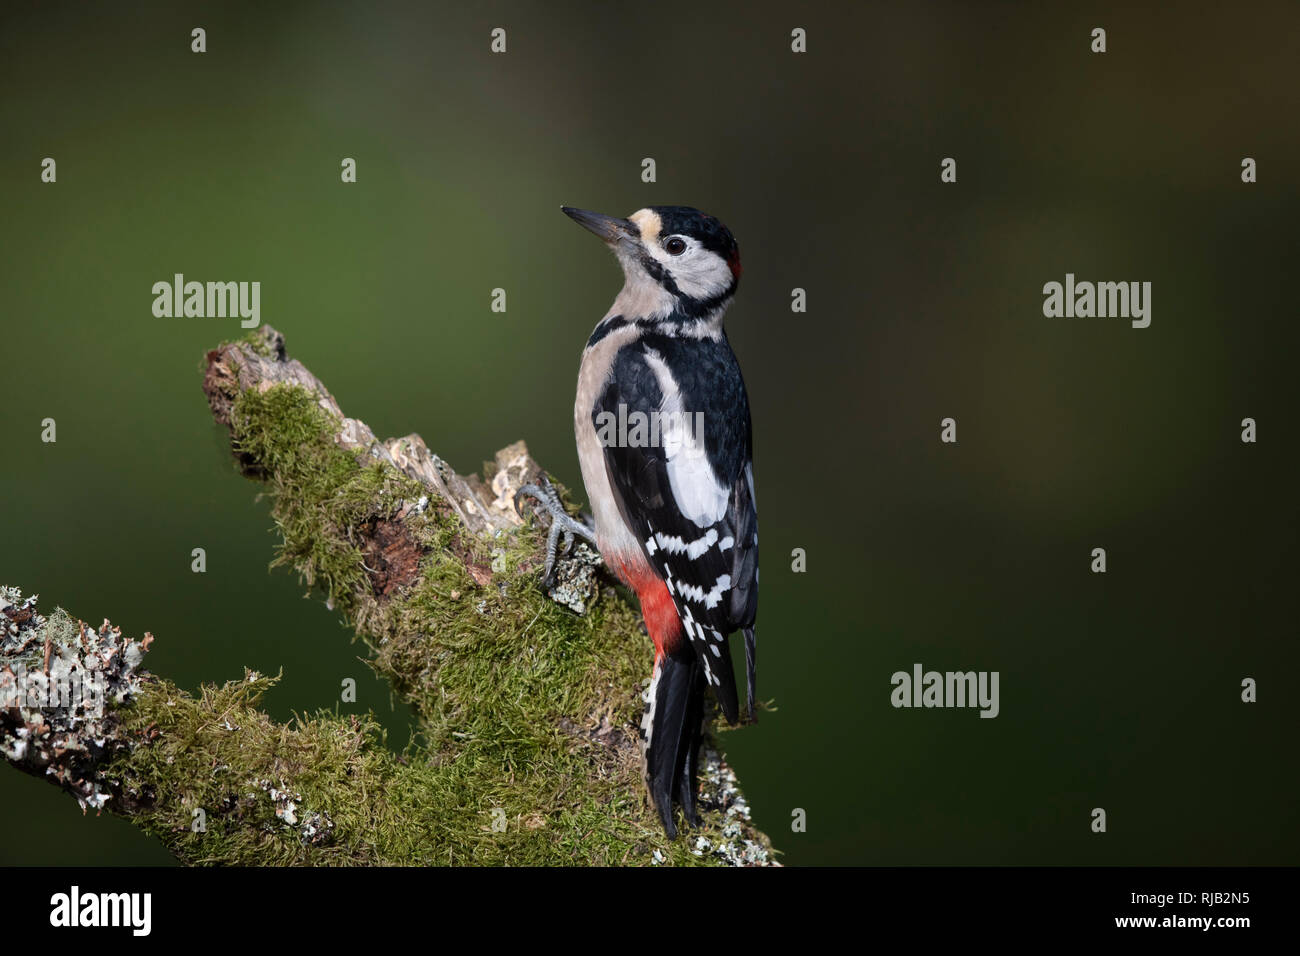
[696, 490]
[708, 598]
[673, 544]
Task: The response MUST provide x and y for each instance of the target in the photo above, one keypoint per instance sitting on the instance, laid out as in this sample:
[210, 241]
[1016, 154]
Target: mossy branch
[526, 703]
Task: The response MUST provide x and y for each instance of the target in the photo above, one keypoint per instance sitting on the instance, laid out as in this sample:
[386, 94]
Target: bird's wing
[685, 486]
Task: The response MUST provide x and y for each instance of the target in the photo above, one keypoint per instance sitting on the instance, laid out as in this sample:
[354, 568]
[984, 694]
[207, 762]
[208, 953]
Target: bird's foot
[564, 527]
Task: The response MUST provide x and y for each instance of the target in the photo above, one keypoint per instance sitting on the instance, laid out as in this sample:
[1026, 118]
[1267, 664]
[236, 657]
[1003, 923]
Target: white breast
[615, 540]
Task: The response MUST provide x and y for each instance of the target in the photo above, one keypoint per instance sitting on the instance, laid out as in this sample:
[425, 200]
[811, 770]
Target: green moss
[258, 340]
[320, 490]
[508, 689]
[352, 801]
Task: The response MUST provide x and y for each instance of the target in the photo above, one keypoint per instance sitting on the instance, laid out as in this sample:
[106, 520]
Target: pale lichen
[59, 679]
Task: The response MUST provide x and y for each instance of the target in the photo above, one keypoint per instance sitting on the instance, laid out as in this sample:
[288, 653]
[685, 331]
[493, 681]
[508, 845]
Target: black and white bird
[665, 444]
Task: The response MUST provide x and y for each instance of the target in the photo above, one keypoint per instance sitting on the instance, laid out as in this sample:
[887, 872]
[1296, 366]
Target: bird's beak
[608, 228]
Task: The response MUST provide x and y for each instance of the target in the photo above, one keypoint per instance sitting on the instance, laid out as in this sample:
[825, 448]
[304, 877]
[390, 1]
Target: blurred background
[1119, 691]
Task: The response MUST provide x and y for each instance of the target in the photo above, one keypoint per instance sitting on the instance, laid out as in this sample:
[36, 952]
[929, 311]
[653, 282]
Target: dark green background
[1118, 690]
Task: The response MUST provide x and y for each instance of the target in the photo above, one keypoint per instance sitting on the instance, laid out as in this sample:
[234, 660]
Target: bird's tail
[751, 672]
[671, 732]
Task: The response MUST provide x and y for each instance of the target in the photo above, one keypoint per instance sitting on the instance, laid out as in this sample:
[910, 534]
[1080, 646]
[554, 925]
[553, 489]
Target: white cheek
[699, 273]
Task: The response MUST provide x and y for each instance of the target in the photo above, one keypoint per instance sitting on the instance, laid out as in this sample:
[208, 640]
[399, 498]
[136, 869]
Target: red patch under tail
[656, 605]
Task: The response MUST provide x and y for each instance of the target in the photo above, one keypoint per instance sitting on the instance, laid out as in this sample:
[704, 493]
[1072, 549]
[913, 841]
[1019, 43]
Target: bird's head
[674, 258]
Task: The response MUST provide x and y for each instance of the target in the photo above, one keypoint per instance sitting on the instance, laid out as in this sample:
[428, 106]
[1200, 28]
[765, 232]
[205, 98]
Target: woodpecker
[673, 506]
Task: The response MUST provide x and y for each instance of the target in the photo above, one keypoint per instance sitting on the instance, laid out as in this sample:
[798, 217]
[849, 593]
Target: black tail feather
[725, 691]
[688, 762]
[751, 672]
[722, 674]
[672, 729]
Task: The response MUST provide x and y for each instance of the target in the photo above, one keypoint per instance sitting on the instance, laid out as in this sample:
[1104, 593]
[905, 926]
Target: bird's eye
[674, 245]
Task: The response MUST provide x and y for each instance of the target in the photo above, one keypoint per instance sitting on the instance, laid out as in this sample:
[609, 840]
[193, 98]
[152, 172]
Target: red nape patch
[656, 604]
[733, 261]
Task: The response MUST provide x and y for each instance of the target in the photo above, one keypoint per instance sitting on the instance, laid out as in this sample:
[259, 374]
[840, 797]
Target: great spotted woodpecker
[673, 502]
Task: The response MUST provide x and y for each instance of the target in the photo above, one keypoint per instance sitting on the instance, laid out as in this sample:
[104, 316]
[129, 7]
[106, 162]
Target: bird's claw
[564, 527]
